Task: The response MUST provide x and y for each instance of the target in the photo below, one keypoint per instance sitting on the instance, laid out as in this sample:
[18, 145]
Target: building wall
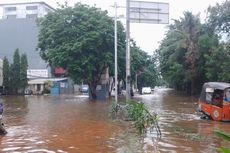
[22, 34]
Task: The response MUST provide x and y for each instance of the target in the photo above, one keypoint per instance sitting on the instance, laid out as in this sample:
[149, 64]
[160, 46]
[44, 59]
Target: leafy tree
[79, 39]
[191, 54]
[190, 29]
[23, 72]
[217, 62]
[179, 53]
[219, 17]
[217, 65]
[6, 73]
[15, 72]
[143, 67]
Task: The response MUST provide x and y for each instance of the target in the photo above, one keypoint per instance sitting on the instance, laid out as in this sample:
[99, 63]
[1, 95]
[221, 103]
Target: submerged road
[71, 123]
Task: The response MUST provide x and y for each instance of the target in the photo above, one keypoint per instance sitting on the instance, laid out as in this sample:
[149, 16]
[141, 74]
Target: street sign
[149, 12]
[142, 12]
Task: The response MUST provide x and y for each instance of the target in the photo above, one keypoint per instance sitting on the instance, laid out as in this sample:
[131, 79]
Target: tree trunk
[92, 91]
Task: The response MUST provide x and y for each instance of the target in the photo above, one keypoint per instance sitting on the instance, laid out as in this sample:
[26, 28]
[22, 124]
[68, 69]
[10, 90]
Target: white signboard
[37, 73]
[209, 90]
[149, 12]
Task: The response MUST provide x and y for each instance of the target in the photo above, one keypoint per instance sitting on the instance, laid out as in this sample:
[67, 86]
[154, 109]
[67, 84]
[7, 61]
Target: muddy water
[73, 124]
[182, 128]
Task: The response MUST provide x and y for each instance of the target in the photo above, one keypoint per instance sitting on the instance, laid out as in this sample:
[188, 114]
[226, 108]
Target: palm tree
[188, 32]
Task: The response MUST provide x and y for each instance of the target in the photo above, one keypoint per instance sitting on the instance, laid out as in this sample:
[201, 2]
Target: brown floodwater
[73, 124]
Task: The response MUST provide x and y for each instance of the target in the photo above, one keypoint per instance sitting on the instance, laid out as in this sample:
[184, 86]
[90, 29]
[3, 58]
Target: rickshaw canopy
[211, 86]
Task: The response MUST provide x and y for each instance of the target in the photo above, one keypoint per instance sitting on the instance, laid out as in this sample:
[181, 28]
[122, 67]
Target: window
[11, 16]
[31, 7]
[31, 15]
[208, 97]
[10, 9]
[227, 95]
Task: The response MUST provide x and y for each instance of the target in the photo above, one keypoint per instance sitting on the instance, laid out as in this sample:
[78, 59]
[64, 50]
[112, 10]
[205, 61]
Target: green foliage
[80, 39]
[6, 73]
[191, 54]
[219, 16]
[179, 54]
[225, 136]
[143, 66]
[15, 74]
[217, 65]
[139, 114]
[23, 72]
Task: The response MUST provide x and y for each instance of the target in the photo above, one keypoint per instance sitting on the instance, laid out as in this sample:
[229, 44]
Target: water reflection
[57, 124]
[74, 124]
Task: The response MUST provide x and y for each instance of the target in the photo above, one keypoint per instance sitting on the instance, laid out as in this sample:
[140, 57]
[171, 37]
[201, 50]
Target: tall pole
[136, 81]
[115, 49]
[128, 77]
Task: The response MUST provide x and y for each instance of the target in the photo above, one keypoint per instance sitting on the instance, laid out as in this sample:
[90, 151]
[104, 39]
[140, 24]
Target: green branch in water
[137, 112]
[225, 136]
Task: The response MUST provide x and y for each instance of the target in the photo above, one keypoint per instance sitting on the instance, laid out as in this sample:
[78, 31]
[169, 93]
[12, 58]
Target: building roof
[2, 4]
[43, 80]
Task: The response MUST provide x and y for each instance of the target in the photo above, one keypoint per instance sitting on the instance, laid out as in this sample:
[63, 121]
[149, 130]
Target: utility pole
[128, 77]
[115, 49]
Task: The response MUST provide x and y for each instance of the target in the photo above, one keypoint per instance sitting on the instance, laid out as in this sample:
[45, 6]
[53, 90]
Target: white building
[24, 10]
[1, 72]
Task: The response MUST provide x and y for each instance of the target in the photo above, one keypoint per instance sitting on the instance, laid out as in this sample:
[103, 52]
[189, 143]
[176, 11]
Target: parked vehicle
[214, 101]
[146, 90]
[84, 88]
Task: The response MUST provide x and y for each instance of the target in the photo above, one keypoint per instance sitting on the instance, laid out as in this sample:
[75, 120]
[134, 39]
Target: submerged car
[146, 90]
[214, 101]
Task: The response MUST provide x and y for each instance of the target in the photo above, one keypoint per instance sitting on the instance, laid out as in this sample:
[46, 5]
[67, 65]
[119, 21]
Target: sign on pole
[149, 12]
[142, 12]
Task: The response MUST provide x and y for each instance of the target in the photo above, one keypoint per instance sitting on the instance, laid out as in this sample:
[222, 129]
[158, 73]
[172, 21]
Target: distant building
[18, 29]
[25, 10]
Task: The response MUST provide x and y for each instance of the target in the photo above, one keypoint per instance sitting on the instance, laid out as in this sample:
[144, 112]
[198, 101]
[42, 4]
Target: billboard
[149, 12]
[37, 73]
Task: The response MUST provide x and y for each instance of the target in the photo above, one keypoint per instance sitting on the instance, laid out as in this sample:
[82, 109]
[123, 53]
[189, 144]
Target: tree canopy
[193, 52]
[15, 74]
[79, 39]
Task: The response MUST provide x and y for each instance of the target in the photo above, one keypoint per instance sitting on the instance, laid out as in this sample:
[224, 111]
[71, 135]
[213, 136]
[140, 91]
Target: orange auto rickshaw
[214, 101]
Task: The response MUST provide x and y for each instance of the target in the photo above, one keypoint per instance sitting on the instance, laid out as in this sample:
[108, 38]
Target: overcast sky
[147, 36]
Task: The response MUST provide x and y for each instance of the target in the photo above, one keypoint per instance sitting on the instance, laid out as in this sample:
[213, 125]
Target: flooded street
[181, 126]
[73, 124]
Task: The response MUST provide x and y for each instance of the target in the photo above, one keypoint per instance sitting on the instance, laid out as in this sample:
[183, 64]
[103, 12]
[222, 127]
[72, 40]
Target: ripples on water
[73, 124]
[181, 126]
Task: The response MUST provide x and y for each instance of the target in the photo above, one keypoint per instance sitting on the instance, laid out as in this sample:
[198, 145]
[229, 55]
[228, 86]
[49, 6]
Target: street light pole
[115, 49]
[128, 77]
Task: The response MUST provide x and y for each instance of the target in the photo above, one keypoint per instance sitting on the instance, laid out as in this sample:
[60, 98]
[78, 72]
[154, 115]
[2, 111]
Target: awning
[44, 80]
